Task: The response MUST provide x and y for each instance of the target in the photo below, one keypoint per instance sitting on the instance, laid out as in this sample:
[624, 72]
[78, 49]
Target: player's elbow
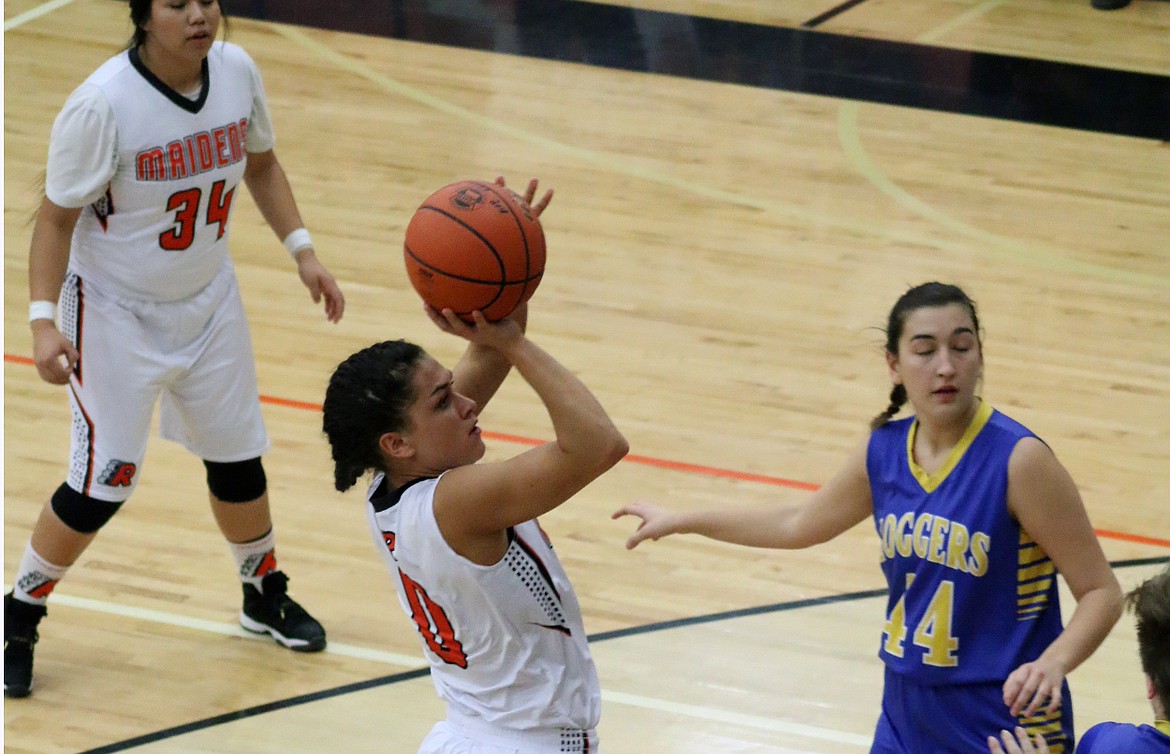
[610, 446]
[618, 448]
[1114, 599]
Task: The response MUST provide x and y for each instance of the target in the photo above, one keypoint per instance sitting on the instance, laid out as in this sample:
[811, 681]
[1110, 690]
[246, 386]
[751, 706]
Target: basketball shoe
[20, 635]
[269, 610]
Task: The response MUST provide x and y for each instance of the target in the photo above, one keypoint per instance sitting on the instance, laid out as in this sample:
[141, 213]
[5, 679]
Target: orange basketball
[474, 245]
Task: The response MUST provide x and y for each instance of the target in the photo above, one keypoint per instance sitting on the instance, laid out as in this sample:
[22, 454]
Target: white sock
[36, 578]
[255, 559]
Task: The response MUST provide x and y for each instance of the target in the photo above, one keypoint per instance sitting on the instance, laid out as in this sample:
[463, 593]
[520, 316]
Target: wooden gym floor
[743, 189]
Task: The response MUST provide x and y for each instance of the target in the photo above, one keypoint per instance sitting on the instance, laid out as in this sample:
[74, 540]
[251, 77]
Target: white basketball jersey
[505, 642]
[156, 171]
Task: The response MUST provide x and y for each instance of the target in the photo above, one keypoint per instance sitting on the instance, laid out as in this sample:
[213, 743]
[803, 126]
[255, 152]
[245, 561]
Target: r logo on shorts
[118, 474]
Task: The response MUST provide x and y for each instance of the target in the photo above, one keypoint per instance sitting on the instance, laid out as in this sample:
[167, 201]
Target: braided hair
[369, 395]
[927, 295]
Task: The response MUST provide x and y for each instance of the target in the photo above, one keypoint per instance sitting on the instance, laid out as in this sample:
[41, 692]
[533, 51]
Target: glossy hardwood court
[723, 253]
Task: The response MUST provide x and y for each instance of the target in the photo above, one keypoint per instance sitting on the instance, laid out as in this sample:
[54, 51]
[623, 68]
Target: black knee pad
[82, 513]
[239, 482]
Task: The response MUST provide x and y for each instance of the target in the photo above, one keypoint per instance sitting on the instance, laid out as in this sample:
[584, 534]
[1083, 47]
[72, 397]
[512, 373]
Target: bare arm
[479, 502]
[838, 506]
[48, 260]
[269, 186]
[1045, 500]
[482, 369]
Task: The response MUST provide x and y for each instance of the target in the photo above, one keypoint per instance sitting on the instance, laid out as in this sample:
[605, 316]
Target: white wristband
[42, 310]
[297, 240]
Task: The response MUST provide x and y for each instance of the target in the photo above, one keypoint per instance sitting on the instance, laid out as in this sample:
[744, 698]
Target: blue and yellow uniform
[972, 596]
[1121, 738]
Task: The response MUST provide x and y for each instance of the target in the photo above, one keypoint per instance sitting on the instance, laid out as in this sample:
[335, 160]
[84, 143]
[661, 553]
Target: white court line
[737, 718]
[225, 629]
[37, 12]
[408, 661]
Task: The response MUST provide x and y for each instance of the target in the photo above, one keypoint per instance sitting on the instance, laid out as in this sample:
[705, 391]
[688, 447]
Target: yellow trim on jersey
[1032, 553]
[1163, 726]
[1031, 572]
[1034, 574]
[930, 482]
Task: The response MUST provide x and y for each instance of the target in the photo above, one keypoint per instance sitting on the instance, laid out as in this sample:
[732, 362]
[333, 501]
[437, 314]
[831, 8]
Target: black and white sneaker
[269, 610]
[20, 636]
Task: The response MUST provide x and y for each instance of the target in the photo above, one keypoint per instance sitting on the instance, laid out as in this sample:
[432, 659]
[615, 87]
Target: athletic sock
[255, 559]
[36, 578]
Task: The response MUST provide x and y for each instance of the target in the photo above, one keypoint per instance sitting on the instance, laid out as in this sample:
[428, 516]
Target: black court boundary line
[410, 675]
[791, 58]
[812, 23]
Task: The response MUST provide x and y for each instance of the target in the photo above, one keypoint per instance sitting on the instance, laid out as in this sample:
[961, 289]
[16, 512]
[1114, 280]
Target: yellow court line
[1016, 250]
[604, 160]
[587, 155]
[959, 20]
[847, 124]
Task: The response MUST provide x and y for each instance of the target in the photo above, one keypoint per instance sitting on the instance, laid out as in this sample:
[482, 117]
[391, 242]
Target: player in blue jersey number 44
[976, 517]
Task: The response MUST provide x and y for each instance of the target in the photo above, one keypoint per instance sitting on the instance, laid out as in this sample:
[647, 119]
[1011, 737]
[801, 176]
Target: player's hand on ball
[475, 245]
[656, 522]
[530, 194]
[519, 315]
[1019, 744]
[498, 335]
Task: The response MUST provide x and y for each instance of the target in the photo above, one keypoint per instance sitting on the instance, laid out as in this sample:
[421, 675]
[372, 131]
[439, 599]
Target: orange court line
[290, 403]
[662, 463]
[1137, 538]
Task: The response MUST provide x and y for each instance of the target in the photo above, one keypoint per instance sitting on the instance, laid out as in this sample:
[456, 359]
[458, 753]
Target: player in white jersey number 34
[131, 242]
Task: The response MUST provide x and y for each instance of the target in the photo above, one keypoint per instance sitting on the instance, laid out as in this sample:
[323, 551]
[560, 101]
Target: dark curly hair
[368, 395]
[927, 295]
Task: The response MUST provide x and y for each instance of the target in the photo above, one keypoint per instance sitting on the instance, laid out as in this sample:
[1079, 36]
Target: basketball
[474, 245]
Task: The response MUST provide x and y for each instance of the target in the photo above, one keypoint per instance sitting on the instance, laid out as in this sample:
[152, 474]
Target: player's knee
[238, 482]
[82, 513]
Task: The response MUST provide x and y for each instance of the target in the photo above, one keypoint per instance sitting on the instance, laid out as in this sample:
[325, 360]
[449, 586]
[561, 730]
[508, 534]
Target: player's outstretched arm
[841, 504]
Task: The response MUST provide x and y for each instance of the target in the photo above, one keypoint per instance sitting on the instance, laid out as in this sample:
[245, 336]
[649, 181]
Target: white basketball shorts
[450, 738]
[194, 354]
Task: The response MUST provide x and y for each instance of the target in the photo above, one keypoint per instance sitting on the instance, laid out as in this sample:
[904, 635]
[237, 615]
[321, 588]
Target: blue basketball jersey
[972, 597]
[1119, 738]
